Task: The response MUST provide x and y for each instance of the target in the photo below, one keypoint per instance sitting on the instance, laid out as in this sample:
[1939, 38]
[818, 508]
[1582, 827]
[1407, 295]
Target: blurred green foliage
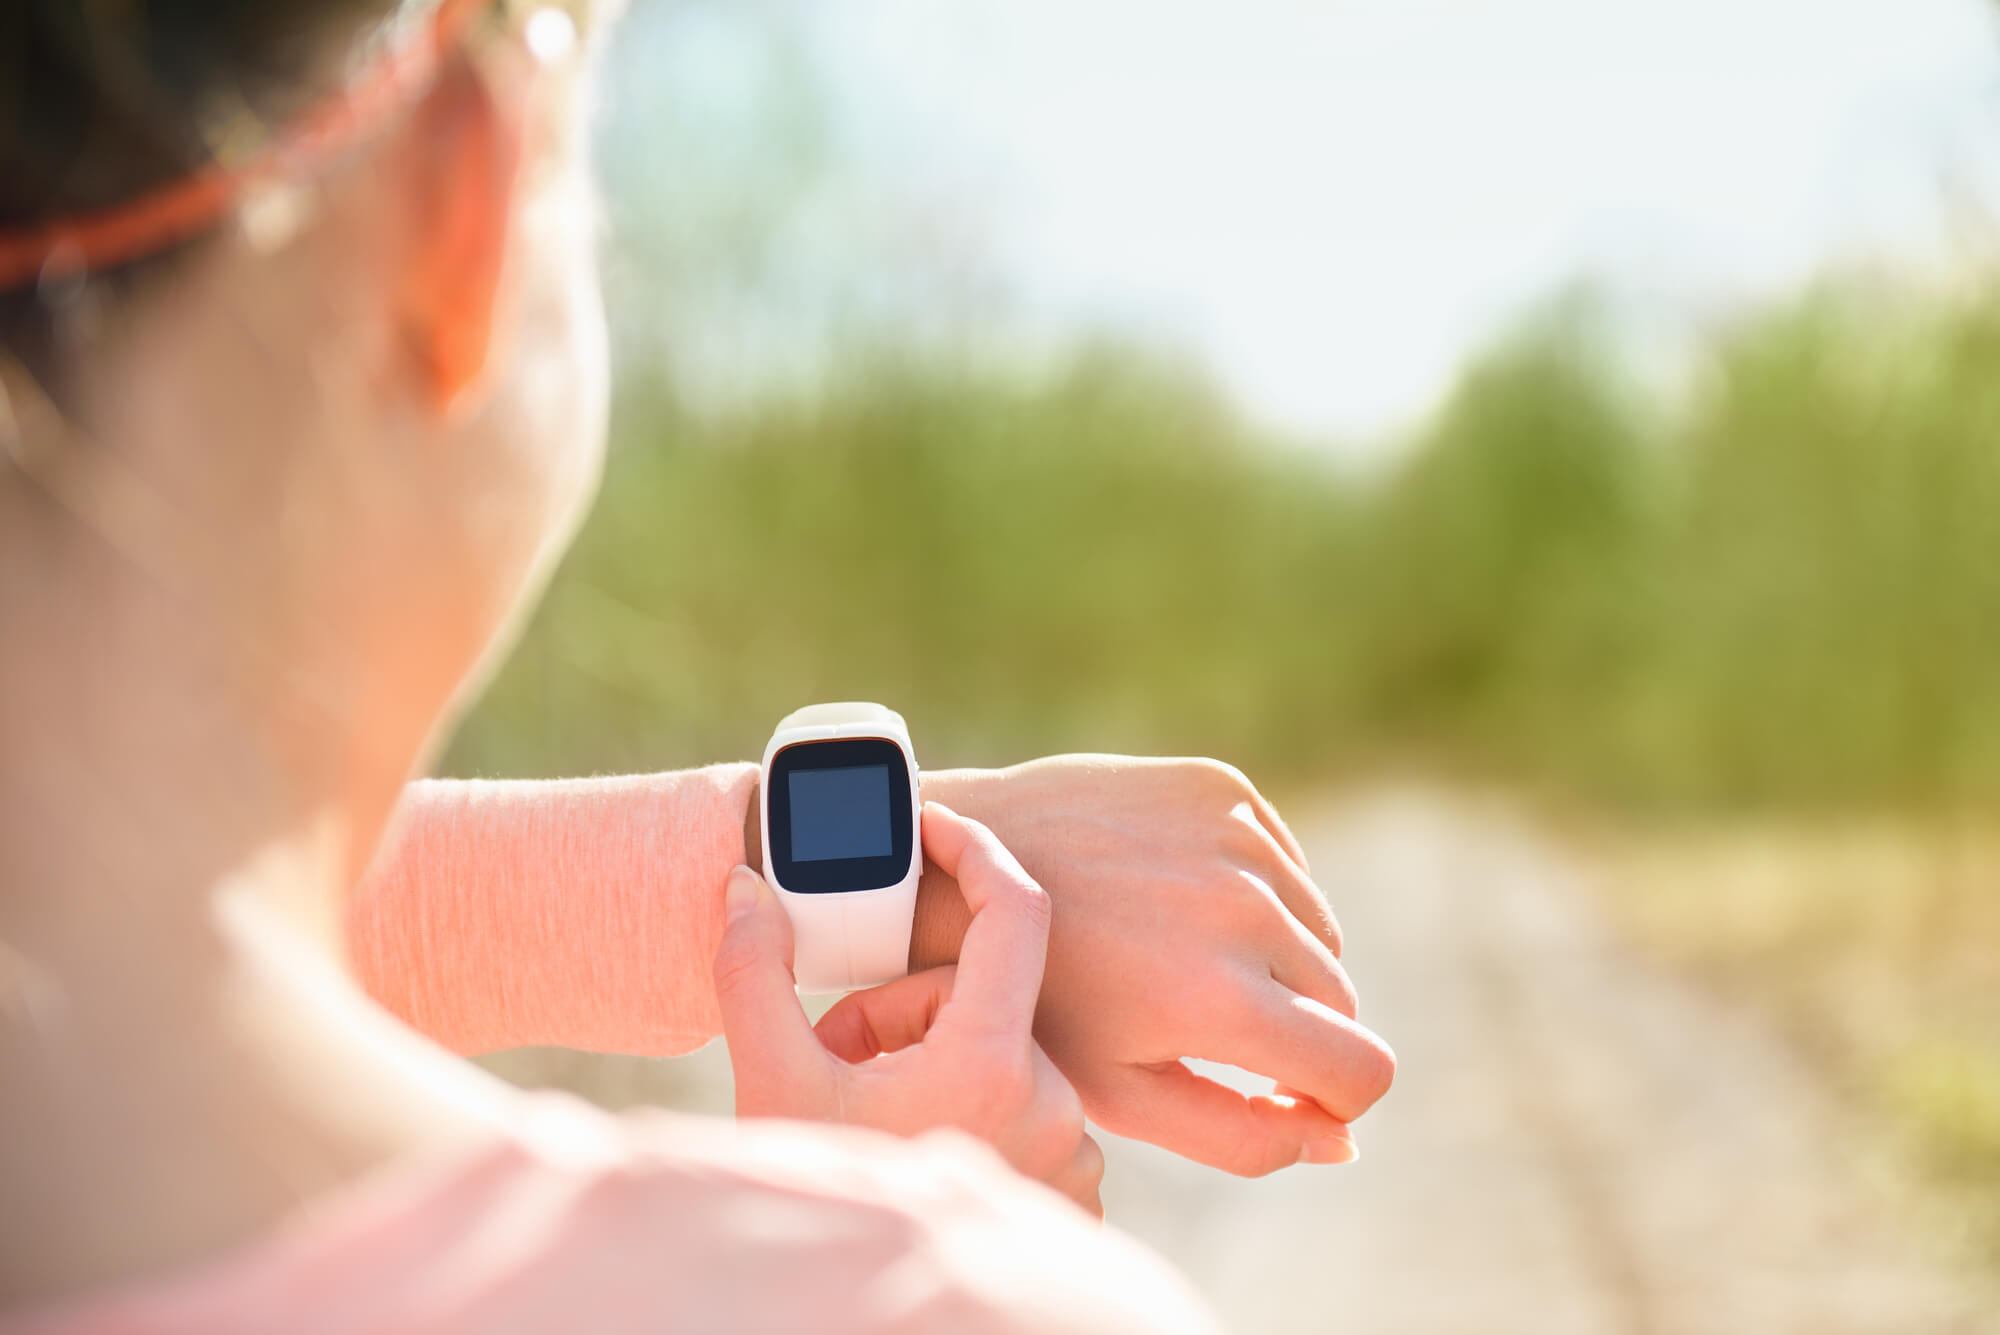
[1782, 589]
[1948, 1094]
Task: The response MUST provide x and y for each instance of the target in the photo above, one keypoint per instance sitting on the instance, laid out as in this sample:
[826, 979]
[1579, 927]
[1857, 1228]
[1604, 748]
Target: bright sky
[1336, 201]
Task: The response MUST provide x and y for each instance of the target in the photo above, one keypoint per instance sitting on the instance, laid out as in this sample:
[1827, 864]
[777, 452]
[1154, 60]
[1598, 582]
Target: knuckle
[1023, 895]
[1238, 1004]
[1016, 1085]
[1089, 1167]
[1345, 999]
[1263, 1158]
[1036, 905]
[1003, 1084]
[1066, 1116]
[979, 839]
[1244, 896]
[1091, 1154]
[993, 859]
[1242, 840]
[736, 962]
[1252, 1154]
[1221, 777]
[1323, 982]
[1257, 1150]
[984, 846]
[1057, 1134]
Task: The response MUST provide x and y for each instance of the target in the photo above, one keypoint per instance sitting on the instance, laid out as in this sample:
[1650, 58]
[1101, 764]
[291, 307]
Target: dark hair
[101, 100]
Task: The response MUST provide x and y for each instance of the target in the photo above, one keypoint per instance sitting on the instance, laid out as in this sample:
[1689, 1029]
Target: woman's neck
[180, 1061]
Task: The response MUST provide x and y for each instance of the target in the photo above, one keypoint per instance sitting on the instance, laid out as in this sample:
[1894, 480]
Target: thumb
[772, 1047]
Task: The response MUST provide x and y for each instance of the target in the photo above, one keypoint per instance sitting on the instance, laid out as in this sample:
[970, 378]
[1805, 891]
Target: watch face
[840, 816]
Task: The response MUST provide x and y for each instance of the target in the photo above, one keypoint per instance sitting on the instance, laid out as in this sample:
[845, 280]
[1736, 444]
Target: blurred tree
[1785, 592]
[1508, 578]
[1837, 575]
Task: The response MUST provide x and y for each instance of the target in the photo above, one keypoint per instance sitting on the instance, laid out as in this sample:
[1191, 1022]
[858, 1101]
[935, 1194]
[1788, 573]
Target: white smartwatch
[842, 845]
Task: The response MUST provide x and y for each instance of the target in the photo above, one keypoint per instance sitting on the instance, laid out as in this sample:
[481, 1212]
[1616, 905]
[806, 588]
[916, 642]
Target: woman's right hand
[947, 1047]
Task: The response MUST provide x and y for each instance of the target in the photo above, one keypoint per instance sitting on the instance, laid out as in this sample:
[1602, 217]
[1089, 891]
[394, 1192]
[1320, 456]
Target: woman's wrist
[942, 915]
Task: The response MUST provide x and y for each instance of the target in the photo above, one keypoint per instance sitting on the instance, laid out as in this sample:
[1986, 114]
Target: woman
[304, 389]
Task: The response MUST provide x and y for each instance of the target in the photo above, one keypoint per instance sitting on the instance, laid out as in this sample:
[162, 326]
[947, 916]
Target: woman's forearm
[577, 912]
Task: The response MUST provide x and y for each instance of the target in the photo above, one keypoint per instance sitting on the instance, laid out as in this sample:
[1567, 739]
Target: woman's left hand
[1186, 925]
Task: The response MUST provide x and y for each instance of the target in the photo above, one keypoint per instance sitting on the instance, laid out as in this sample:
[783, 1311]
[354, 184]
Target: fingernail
[1329, 1149]
[740, 895]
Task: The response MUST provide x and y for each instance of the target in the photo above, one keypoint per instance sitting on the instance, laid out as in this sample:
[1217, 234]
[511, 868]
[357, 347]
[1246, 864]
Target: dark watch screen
[840, 815]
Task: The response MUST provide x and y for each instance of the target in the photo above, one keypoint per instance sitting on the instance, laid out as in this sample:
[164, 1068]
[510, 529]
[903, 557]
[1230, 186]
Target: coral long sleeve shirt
[580, 913]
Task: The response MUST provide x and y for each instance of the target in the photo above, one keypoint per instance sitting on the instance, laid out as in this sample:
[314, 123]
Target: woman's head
[352, 419]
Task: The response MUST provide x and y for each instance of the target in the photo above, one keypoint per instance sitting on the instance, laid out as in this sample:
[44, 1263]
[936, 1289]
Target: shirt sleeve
[582, 912]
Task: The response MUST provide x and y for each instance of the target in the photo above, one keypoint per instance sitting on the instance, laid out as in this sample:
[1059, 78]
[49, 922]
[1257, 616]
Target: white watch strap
[860, 938]
[843, 942]
[843, 712]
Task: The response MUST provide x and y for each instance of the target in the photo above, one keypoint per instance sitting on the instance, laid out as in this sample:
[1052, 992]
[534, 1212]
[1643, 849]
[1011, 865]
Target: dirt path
[1576, 1143]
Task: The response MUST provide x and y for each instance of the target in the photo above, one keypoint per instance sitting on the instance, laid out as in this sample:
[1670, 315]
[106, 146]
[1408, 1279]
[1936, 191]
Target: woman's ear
[462, 159]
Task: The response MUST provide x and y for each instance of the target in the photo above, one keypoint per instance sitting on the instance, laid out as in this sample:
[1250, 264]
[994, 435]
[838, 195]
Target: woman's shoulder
[577, 1219]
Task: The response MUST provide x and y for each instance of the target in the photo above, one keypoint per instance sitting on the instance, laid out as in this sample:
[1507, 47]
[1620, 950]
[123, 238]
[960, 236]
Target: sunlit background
[1554, 444]
[1333, 204]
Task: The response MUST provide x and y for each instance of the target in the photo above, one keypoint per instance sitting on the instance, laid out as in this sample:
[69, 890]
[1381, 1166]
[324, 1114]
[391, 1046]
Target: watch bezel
[834, 876]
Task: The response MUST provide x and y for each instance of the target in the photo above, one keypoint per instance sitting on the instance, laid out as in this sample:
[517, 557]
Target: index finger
[1007, 941]
[1304, 1044]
